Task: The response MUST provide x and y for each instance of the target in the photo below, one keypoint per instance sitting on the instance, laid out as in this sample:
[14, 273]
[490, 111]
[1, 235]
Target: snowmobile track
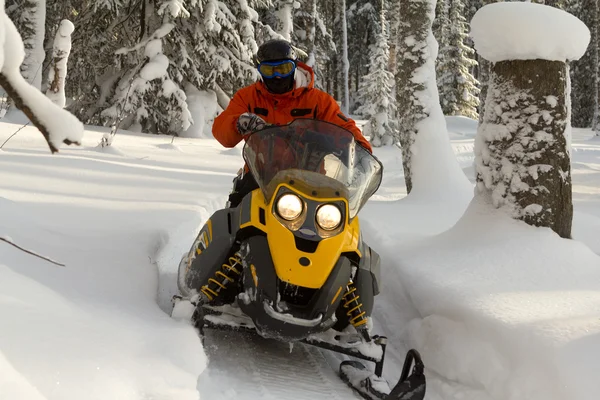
[245, 366]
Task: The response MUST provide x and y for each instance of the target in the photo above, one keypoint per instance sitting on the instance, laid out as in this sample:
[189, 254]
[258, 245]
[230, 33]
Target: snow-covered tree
[430, 167]
[458, 88]
[411, 54]
[363, 18]
[58, 68]
[522, 155]
[29, 16]
[375, 92]
[204, 45]
[56, 125]
[285, 17]
[312, 36]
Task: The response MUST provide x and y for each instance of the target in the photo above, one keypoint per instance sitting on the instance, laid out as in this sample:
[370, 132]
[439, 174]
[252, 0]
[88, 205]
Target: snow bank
[528, 31]
[506, 307]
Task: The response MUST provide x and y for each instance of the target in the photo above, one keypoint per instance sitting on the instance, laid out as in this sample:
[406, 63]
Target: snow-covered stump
[522, 155]
[58, 69]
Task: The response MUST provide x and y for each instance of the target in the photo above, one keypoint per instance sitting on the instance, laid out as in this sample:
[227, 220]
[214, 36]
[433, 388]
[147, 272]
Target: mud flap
[411, 386]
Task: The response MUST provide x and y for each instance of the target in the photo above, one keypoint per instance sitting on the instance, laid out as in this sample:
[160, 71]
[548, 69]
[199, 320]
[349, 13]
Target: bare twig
[11, 136]
[30, 252]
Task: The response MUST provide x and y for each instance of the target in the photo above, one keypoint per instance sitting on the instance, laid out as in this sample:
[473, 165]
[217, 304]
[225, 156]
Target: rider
[284, 93]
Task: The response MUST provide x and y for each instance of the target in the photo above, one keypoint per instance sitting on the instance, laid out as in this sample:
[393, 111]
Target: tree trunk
[345, 62]
[522, 158]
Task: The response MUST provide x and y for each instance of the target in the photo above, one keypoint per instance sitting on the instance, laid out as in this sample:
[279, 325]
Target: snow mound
[502, 302]
[528, 31]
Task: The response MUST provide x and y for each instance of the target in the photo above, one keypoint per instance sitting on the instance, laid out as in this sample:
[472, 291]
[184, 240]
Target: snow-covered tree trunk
[430, 165]
[58, 67]
[285, 15]
[521, 150]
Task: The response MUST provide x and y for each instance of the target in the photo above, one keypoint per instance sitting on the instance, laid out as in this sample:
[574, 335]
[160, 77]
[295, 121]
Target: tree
[345, 61]
[375, 92]
[458, 88]
[29, 16]
[430, 166]
[413, 29]
[585, 70]
[202, 44]
[521, 150]
[364, 25]
[58, 69]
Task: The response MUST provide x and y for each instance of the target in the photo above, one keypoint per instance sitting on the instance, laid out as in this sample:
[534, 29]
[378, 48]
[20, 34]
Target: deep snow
[518, 325]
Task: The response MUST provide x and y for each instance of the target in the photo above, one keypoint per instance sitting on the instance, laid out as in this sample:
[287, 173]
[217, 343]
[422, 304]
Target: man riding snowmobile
[285, 92]
[286, 258]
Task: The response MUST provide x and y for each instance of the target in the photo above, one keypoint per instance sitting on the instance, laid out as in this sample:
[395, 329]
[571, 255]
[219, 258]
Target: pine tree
[202, 44]
[378, 103]
[584, 72]
[29, 16]
[363, 19]
[413, 30]
[312, 36]
[458, 88]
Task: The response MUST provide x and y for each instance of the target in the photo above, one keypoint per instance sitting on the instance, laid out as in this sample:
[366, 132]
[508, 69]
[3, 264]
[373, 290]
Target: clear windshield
[314, 146]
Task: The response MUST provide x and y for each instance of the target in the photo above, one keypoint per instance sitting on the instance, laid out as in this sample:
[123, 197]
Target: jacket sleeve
[224, 128]
[331, 113]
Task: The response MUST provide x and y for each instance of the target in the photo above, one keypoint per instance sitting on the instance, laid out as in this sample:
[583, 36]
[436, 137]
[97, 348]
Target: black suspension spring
[228, 273]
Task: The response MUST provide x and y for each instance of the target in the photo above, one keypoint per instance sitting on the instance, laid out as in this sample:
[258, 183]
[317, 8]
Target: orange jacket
[281, 109]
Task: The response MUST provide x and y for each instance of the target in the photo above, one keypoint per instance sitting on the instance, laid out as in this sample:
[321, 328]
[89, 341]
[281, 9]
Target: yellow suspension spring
[226, 275]
[351, 301]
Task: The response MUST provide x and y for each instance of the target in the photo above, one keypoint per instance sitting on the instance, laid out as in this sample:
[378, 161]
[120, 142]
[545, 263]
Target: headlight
[289, 206]
[329, 217]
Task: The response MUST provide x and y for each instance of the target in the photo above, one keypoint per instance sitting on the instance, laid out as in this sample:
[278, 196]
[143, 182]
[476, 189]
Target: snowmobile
[289, 261]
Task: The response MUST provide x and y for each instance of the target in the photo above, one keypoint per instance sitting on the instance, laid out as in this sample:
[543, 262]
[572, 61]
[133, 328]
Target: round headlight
[329, 217]
[289, 206]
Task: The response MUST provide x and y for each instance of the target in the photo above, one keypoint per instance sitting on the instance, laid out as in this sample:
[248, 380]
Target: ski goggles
[281, 69]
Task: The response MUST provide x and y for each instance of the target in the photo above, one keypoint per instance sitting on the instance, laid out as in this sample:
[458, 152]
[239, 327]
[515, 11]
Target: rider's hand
[248, 123]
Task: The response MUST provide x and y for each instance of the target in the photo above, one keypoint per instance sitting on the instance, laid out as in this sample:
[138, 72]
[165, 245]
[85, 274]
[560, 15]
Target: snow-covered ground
[521, 324]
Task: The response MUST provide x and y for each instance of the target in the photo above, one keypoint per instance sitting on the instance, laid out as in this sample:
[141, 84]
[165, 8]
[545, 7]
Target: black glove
[248, 123]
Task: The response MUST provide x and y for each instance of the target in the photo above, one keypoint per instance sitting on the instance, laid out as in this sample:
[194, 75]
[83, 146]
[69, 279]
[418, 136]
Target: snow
[528, 31]
[203, 108]
[498, 309]
[515, 315]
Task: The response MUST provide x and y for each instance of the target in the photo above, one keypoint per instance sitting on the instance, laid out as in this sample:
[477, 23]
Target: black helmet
[274, 50]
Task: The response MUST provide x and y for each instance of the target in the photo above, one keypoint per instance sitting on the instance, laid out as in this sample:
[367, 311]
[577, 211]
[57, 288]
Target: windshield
[314, 146]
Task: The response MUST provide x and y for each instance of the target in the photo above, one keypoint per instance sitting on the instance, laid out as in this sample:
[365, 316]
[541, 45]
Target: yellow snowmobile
[290, 258]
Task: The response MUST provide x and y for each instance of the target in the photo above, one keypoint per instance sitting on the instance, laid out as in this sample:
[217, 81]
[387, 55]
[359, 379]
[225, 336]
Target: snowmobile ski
[372, 386]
